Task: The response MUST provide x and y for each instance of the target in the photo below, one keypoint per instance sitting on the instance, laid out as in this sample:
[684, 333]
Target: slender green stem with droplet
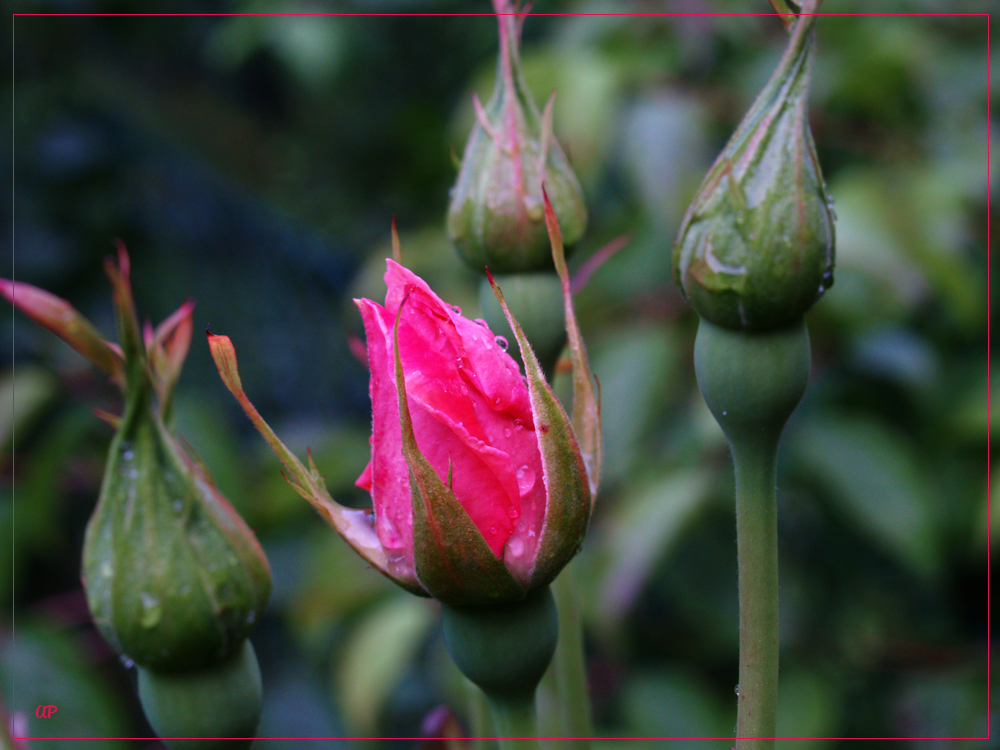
[752, 382]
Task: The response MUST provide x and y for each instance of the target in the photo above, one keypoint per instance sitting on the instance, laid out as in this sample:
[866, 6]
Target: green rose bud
[496, 216]
[175, 579]
[755, 249]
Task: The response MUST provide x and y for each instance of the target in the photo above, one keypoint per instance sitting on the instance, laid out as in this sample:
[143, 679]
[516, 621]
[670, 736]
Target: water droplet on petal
[493, 531]
[515, 546]
[501, 342]
[525, 479]
[518, 424]
[483, 323]
[507, 432]
[512, 512]
[456, 309]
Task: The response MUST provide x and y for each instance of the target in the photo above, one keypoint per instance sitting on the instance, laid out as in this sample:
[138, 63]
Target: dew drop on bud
[507, 432]
[513, 512]
[501, 342]
[456, 309]
[525, 479]
[150, 610]
[483, 323]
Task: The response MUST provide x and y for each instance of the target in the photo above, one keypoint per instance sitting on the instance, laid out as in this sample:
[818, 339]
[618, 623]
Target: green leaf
[874, 478]
[376, 657]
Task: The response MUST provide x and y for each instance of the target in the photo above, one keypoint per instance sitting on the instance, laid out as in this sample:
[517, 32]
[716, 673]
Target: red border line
[14, 17]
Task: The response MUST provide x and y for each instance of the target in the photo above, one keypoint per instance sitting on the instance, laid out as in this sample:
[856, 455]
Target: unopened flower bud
[496, 215]
[175, 579]
[755, 249]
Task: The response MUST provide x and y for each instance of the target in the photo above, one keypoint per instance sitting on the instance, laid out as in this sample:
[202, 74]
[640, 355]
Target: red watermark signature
[45, 712]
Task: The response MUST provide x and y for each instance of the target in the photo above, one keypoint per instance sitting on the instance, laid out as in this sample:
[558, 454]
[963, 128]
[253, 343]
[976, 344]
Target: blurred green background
[254, 163]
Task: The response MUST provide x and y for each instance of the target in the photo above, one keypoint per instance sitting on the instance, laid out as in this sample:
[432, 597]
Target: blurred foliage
[254, 164]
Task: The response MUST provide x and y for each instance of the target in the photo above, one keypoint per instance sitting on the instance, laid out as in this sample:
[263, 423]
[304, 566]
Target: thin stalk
[569, 665]
[516, 722]
[757, 552]
[752, 382]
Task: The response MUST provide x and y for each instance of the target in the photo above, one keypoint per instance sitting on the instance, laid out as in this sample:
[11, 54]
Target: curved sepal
[354, 526]
[567, 490]
[586, 402]
[60, 317]
[452, 559]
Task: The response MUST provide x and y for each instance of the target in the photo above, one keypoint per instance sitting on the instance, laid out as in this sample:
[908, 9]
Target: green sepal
[567, 489]
[452, 559]
[356, 527]
[586, 399]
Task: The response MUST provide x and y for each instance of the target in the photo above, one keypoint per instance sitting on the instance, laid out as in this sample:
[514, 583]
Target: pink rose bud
[472, 443]
[482, 485]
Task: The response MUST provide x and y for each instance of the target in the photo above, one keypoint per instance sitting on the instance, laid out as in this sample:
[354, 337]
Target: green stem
[569, 665]
[752, 382]
[515, 720]
[757, 554]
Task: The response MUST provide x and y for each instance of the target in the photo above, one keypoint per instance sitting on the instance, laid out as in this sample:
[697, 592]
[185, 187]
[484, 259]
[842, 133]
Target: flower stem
[757, 553]
[515, 722]
[752, 382]
[569, 665]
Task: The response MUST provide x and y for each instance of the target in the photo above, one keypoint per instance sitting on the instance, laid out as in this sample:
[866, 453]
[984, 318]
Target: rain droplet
[127, 454]
[525, 480]
[493, 531]
[725, 413]
[501, 342]
[126, 661]
[737, 689]
[150, 610]
[507, 432]
[483, 323]
[515, 546]
[518, 424]
[456, 309]
[513, 512]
